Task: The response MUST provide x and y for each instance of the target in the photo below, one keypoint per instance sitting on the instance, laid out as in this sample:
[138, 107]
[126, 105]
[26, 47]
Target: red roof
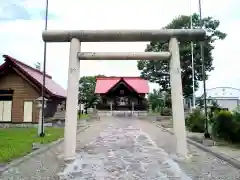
[104, 84]
[51, 86]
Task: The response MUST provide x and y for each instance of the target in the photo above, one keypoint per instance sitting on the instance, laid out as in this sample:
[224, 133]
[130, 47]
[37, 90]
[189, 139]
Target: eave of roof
[51, 87]
[104, 84]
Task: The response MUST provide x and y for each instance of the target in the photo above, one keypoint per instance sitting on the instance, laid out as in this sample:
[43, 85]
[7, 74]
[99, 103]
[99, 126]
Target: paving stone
[126, 153]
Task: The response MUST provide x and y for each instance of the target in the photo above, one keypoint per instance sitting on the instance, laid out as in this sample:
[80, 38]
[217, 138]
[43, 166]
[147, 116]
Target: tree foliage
[155, 99]
[158, 99]
[86, 94]
[158, 71]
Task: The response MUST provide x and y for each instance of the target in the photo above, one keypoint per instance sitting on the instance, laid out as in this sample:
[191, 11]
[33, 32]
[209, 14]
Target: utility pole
[44, 72]
[192, 53]
[206, 133]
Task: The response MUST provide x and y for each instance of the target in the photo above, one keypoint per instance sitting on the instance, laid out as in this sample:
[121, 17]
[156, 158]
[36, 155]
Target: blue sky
[22, 21]
[16, 10]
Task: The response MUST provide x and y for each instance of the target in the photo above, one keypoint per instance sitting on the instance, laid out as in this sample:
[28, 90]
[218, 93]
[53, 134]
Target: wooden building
[20, 86]
[121, 93]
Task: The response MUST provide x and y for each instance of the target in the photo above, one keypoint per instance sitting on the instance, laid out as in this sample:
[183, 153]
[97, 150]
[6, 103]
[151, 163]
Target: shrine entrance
[75, 37]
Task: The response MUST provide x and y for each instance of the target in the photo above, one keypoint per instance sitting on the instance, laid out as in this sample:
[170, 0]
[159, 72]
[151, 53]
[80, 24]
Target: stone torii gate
[75, 37]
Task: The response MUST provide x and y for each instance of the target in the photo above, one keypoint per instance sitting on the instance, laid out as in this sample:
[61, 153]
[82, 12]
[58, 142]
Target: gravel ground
[200, 166]
[123, 153]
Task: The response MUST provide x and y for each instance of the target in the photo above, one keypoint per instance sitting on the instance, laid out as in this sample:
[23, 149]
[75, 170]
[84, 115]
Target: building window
[121, 92]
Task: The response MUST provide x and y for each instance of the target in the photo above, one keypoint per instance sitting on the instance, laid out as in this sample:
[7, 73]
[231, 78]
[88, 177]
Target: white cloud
[22, 39]
[226, 61]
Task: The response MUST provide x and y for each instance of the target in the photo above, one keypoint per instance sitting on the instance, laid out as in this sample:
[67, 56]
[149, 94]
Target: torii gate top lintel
[122, 35]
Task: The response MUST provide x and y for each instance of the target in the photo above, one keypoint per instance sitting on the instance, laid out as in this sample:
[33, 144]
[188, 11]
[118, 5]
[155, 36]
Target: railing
[140, 107]
[123, 108]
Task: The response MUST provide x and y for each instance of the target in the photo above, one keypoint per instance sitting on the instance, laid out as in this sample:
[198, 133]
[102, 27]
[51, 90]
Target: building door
[6, 111]
[28, 111]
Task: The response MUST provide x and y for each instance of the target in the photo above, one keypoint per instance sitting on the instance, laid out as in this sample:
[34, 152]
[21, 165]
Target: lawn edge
[232, 161]
[43, 149]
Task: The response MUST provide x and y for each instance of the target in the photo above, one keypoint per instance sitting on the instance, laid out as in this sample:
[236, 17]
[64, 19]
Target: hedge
[225, 124]
[195, 121]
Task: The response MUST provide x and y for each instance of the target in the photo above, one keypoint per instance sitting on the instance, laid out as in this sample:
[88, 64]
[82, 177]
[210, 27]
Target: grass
[154, 114]
[17, 142]
[83, 116]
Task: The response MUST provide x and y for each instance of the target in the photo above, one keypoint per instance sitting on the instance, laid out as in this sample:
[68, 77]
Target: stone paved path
[123, 153]
[200, 165]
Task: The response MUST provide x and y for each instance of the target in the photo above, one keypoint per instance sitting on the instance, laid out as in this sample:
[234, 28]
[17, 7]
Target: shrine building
[122, 94]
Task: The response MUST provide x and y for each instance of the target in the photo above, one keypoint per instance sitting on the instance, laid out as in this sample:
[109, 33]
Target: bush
[236, 127]
[195, 121]
[226, 126]
[166, 111]
[222, 125]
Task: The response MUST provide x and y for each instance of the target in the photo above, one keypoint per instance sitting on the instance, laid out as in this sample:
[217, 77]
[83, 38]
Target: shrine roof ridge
[120, 77]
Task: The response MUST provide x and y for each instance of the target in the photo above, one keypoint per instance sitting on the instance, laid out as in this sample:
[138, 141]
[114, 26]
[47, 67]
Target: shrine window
[121, 92]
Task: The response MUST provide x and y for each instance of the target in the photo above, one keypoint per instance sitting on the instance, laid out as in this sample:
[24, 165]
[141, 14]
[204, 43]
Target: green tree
[86, 94]
[158, 71]
[167, 99]
[155, 98]
[159, 99]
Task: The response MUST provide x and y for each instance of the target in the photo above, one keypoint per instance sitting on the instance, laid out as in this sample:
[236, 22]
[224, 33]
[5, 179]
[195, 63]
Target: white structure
[226, 97]
[78, 36]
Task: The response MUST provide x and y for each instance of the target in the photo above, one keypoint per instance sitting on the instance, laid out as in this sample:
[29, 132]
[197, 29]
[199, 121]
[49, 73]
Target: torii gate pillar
[72, 101]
